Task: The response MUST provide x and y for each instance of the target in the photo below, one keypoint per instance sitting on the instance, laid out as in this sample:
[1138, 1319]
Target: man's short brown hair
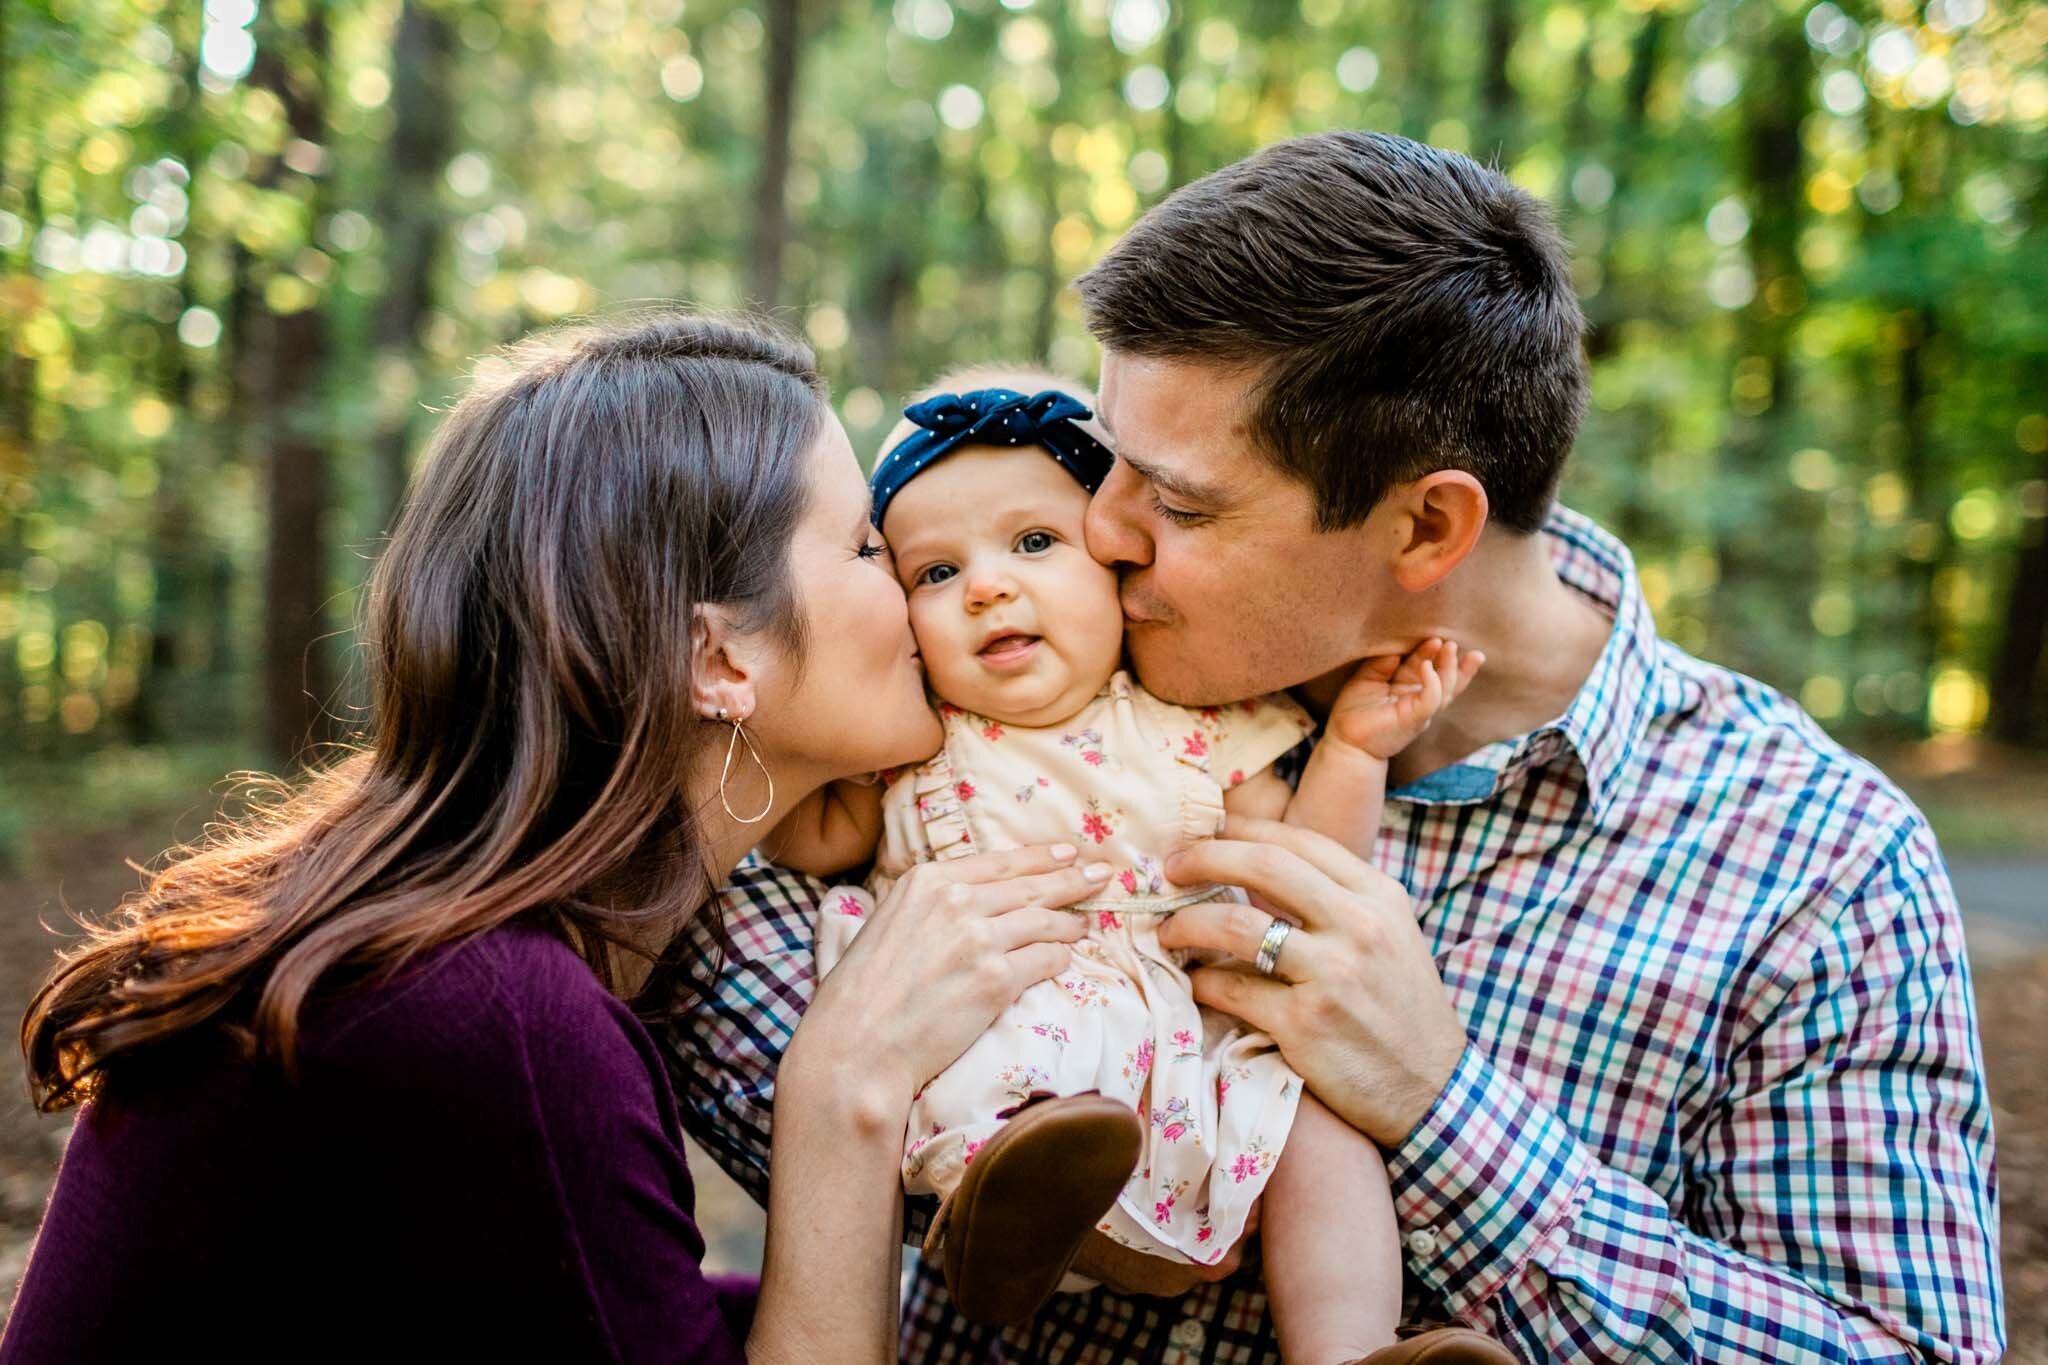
[1406, 309]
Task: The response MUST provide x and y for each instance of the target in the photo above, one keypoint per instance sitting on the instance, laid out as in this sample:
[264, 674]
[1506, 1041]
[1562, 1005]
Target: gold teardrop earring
[739, 733]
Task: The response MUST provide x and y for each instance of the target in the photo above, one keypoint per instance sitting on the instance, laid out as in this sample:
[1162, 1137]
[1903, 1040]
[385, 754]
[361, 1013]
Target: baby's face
[1013, 618]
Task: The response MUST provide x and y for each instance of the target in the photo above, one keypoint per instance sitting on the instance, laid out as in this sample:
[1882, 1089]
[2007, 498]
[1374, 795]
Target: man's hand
[1354, 1002]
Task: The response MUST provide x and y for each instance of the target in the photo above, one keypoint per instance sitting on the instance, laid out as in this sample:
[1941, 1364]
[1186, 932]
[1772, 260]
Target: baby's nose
[986, 589]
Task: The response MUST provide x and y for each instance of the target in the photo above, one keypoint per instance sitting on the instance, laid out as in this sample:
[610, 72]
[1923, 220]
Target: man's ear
[1441, 517]
[722, 665]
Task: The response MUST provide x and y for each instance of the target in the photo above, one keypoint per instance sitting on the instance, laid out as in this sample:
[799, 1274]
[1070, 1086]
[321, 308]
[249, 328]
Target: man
[1672, 1053]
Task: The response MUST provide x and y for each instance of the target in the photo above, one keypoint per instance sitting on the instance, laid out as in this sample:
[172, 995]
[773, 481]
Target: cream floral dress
[1129, 779]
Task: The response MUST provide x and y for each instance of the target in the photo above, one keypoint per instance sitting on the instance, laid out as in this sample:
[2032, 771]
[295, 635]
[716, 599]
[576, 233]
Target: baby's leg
[1332, 1250]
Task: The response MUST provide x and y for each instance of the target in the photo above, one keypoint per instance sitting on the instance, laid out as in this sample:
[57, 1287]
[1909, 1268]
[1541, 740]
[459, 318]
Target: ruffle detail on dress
[1201, 795]
[941, 808]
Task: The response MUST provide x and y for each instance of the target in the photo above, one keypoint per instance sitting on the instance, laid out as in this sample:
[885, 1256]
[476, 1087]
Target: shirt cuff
[1487, 1179]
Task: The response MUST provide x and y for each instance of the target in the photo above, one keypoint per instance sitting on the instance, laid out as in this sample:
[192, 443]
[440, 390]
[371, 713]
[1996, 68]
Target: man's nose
[1111, 527]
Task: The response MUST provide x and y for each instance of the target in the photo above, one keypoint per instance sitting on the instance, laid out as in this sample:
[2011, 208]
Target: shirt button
[1422, 1242]
[1187, 1334]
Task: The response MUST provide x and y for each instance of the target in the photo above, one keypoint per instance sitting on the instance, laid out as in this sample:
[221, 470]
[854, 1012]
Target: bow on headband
[992, 417]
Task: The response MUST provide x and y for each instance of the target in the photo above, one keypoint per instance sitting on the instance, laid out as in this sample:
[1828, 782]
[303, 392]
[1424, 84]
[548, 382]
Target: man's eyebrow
[1173, 483]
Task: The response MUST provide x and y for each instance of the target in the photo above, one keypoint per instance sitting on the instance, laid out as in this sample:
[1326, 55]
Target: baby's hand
[1392, 699]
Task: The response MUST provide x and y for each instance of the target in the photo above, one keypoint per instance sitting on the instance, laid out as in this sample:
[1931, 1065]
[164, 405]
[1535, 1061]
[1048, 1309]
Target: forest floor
[71, 831]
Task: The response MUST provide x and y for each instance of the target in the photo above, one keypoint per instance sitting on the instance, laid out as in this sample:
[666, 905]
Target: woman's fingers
[1015, 862]
[1033, 963]
[1063, 887]
[1034, 924]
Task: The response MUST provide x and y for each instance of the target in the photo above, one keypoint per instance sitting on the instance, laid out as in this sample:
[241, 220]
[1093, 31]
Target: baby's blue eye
[1035, 542]
[937, 573]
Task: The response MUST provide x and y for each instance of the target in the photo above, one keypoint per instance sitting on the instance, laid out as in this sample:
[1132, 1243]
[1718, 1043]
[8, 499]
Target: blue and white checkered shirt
[1724, 1098]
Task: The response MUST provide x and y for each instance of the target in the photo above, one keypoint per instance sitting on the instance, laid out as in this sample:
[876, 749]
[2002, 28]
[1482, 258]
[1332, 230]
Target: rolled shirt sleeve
[1841, 1205]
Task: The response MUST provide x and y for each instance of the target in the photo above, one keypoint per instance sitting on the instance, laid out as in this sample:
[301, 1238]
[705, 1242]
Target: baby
[1138, 1114]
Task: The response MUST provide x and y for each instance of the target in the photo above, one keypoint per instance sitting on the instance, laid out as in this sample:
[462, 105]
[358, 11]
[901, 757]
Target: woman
[360, 1071]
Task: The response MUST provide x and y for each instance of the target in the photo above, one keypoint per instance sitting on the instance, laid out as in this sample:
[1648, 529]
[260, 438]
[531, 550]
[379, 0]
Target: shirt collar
[1604, 725]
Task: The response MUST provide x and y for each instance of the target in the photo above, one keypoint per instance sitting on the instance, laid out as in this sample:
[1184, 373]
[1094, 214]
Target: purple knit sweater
[480, 1161]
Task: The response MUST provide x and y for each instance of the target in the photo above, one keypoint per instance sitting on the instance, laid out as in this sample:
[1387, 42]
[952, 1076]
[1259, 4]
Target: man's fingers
[1255, 999]
[1263, 866]
[1228, 927]
[1335, 861]
[1012, 862]
[1035, 924]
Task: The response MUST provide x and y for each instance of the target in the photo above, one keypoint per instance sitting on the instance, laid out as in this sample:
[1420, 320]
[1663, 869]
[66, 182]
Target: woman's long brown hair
[528, 640]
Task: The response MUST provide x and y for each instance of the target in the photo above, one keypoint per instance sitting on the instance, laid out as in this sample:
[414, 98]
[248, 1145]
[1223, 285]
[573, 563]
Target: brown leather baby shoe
[1444, 1346]
[1028, 1200]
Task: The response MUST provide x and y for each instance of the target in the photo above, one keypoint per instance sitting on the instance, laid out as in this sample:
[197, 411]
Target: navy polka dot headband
[992, 417]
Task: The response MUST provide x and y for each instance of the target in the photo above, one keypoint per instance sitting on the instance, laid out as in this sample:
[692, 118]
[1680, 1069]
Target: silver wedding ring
[1269, 947]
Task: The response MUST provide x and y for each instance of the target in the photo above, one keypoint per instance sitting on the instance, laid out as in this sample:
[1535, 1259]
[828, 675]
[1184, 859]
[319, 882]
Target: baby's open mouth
[1008, 647]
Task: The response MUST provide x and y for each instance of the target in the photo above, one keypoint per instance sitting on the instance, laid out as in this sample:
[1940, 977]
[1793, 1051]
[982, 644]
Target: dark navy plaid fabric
[1724, 1098]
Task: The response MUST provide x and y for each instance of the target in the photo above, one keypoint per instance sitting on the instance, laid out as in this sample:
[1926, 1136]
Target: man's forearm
[1526, 1233]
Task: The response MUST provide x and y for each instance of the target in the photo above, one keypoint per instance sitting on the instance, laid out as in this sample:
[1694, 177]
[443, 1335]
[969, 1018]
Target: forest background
[249, 247]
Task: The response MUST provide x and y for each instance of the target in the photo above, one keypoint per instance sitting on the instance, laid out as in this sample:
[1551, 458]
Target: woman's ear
[1442, 516]
[722, 666]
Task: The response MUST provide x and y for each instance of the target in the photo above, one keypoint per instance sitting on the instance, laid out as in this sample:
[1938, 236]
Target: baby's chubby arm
[833, 830]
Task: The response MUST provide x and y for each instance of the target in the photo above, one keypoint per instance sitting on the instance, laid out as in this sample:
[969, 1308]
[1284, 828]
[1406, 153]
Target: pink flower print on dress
[973, 1145]
[1194, 746]
[1089, 744]
[1228, 1076]
[1019, 1081]
[950, 711]
[1236, 776]
[1098, 824]
[1109, 919]
[1029, 790]
[1143, 880]
[1048, 1029]
[1254, 1160]
[1184, 1040]
[850, 907]
[992, 731]
[1138, 1063]
[964, 790]
[1162, 1211]
[1174, 1122]
[1082, 991]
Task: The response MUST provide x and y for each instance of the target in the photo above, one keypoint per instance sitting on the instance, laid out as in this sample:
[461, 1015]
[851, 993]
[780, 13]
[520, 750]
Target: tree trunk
[771, 210]
[1495, 140]
[1766, 565]
[2017, 686]
[422, 136]
[1607, 308]
[297, 678]
[1421, 81]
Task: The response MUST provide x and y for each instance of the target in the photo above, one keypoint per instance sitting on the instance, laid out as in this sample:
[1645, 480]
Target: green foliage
[1809, 237]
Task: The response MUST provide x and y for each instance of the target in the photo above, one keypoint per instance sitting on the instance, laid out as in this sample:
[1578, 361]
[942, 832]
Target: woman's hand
[1354, 1001]
[950, 946]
